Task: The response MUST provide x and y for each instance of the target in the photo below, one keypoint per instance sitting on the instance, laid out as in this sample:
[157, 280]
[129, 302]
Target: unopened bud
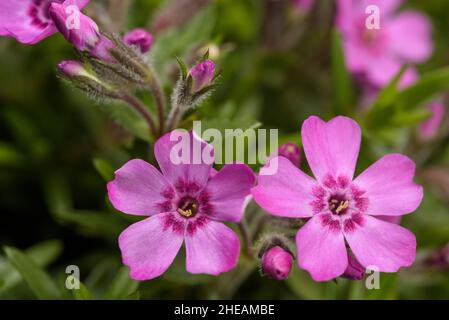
[291, 151]
[72, 68]
[139, 38]
[202, 74]
[354, 270]
[277, 263]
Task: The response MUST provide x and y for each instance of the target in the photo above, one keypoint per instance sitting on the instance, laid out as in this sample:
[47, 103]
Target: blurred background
[58, 148]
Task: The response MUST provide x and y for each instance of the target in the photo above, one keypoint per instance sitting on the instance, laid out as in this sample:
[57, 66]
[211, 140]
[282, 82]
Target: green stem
[142, 111]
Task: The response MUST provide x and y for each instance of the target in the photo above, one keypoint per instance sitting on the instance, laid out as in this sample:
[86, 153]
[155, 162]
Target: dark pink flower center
[188, 207]
[38, 12]
[340, 203]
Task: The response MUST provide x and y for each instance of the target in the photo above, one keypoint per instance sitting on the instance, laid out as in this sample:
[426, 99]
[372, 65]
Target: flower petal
[331, 148]
[321, 249]
[140, 189]
[410, 36]
[211, 248]
[182, 155]
[149, 247]
[286, 193]
[389, 186]
[385, 245]
[229, 192]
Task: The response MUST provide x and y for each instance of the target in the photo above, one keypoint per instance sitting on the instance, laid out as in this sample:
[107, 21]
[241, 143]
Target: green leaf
[36, 278]
[82, 293]
[386, 96]
[183, 68]
[42, 254]
[104, 168]
[122, 286]
[429, 85]
[341, 80]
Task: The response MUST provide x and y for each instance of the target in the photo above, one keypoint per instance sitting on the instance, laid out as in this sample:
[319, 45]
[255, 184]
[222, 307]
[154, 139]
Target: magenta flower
[291, 151]
[83, 33]
[277, 263]
[202, 74]
[139, 38]
[28, 21]
[186, 203]
[429, 128]
[342, 209]
[379, 53]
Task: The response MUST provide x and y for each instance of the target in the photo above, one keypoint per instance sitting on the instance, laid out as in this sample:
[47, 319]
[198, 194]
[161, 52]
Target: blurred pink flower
[277, 263]
[28, 21]
[291, 151]
[429, 128]
[378, 54]
[139, 38]
[342, 209]
[183, 204]
[303, 5]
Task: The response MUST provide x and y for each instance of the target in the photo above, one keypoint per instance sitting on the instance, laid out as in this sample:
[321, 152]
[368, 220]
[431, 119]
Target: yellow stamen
[342, 206]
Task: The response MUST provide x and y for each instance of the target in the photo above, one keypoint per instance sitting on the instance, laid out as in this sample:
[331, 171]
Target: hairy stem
[246, 235]
[156, 90]
[142, 111]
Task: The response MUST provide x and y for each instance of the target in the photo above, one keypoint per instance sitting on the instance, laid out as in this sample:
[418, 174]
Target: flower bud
[290, 151]
[354, 270]
[202, 74]
[80, 30]
[277, 263]
[72, 68]
[429, 128]
[139, 38]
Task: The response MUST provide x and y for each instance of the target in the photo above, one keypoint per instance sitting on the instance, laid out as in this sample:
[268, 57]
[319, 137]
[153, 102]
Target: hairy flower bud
[277, 263]
[80, 30]
[202, 74]
[139, 38]
[291, 151]
[72, 68]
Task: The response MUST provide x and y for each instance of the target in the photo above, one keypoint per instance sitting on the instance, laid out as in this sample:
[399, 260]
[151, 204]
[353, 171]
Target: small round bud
[290, 151]
[277, 263]
[72, 68]
[354, 270]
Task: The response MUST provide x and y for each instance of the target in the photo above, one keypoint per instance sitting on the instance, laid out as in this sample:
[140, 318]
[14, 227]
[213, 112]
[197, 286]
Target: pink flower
[72, 68]
[342, 209]
[378, 54]
[291, 151]
[139, 38]
[28, 21]
[202, 74]
[277, 263]
[82, 32]
[429, 128]
[186, 203]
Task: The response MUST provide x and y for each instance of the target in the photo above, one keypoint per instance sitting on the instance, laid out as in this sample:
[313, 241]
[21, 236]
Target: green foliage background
[57, 148]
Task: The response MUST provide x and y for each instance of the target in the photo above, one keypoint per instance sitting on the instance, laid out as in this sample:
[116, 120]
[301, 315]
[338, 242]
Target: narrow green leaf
[341, 79]
[429, 85]
[37, 279]
[122, 286]
[42, 253]
[182, 67]
[104, 168]
[82, 293]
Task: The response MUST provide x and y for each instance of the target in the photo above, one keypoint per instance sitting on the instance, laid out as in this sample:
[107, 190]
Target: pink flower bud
[429, 128]
[72, 68]
[202, 74]
[80, 30]
[290, 151]
[277, 263]
[354, 270]
[139, 38]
